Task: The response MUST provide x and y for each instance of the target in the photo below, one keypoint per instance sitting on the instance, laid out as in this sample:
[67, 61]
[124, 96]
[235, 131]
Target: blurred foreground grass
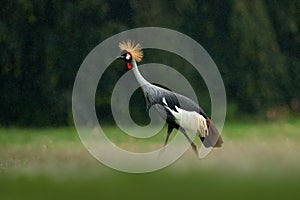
[259, 160]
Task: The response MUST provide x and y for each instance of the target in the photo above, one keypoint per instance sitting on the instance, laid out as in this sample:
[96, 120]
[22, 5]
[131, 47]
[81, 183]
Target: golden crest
[134, 49]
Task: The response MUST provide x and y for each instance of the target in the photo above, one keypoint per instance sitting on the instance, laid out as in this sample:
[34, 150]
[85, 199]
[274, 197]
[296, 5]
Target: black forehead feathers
[123, 52]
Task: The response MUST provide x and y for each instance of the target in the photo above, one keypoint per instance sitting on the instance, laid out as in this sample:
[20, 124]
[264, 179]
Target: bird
[180, 112]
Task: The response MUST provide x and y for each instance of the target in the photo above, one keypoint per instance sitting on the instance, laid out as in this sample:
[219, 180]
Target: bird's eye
[128, 56]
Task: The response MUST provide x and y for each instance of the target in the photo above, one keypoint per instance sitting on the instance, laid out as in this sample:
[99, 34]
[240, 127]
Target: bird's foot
[195, 149]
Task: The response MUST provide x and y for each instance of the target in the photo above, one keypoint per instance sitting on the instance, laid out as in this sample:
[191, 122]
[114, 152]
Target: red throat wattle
[129, 65]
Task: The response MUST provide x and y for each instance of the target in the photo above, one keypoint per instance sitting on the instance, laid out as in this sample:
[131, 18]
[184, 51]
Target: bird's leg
[169, 131]
[170, 128]
[189, 139]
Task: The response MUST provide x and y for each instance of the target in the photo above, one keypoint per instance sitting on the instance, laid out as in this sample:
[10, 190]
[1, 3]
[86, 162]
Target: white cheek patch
[127, 56]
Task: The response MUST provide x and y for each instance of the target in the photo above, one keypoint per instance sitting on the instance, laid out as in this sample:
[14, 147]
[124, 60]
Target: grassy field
[259, 160]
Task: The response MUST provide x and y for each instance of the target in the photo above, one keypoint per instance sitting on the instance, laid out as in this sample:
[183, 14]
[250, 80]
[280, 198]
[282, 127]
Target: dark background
[255, 44]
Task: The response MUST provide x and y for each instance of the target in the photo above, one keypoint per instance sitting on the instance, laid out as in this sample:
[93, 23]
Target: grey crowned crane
[179, 111]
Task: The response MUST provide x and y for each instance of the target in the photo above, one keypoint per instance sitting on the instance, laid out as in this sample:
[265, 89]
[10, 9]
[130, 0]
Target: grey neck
[140, 79]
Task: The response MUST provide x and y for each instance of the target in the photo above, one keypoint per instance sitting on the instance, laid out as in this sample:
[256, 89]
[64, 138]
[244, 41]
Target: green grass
[258, 160]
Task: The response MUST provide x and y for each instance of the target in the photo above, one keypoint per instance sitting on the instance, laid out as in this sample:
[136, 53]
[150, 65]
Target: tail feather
[213, 137]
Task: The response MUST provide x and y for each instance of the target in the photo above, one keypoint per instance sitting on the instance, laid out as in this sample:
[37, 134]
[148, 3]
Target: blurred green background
[256, 46]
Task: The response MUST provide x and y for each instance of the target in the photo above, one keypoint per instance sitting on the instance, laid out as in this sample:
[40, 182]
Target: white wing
[189, 120]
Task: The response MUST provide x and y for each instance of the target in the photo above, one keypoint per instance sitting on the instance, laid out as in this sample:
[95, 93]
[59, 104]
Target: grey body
[155, 96]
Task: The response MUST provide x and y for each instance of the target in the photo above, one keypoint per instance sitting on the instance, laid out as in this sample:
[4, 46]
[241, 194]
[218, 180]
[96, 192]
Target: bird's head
[130, 53]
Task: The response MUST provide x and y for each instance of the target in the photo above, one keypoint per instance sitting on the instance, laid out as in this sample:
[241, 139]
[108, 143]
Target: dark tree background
[255, 44]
